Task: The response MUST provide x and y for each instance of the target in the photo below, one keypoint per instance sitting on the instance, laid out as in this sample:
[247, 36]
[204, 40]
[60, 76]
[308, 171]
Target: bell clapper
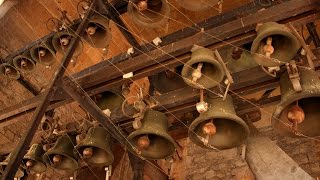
[202, 106]
[64, 41]
[108, 172]
[23, 63]
[143, 142]
[268, 48]
[57, 159]
[209, 129]
[142, 5]
[87, 152]
[295, 116]
[196, 74]
[29, 163]
[42, 53]
[7, 70]
[92, 30]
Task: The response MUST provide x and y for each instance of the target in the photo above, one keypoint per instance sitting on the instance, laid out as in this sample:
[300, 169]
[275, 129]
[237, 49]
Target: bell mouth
[159, 148]
[24, 64]
[99, 157]
[229, 133]
[311, 124]
[46, 58]
[66, 163]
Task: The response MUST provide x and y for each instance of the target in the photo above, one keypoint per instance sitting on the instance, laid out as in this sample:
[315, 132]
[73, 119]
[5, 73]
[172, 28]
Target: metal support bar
[25, 83]
[137, 166]
[114, 15]
[25, 141]
[90, 106]
[313, 33]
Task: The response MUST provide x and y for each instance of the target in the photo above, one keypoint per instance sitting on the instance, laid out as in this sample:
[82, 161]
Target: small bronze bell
[152, 139]
[202, 71]
[33, 159]
[196, 5]
[110, 100]
[61, 156]
[7, 69]
[300, 110]
[149, 13]
[44, 53]
[274, 45]
[24, 62]
[98, 33]
[95, 149]
[61, 41]
[219, 127]
[19, 174]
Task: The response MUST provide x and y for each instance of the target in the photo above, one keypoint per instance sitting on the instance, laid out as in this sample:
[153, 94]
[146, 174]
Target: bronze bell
[62, 39]
[167, 81]
[4, 164]
[110, 100]
[219, 127]
[202, 71]
[98, 33]
[304, 104]
[9, 70]
[24, 62]
[152, 139]
[95, 149]
[149, 13]
[44, 53]
[32, 161]
[61, 155]
[274, 45]
[196, 5]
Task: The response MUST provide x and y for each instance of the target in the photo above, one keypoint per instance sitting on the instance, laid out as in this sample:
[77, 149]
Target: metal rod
[25, 141]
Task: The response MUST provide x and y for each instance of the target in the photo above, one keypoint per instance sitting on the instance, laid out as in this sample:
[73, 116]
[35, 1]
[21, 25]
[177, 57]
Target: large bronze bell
[219, 127]
[152, 139]
[167, 81]
[44, 53]
[274, 45]
[61, 156]
[7, 69]
[98, 33]
[196, 5]
[24, 62]
[32, 161]
[300, 107]
[95, 149]
[110, 100]
[19, 174]
[61, 41]
[149, 13]
[202, 71]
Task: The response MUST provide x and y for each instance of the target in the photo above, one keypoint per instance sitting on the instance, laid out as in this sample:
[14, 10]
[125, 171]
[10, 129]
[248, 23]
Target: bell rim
[14, 61]
[193, 125]
[131, 9]
[2, 66]
[36, 59]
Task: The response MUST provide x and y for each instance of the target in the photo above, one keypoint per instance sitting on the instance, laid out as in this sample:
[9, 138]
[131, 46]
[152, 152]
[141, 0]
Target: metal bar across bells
[25, 140]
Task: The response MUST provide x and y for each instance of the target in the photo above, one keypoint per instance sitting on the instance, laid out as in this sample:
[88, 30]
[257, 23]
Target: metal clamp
[294, 75]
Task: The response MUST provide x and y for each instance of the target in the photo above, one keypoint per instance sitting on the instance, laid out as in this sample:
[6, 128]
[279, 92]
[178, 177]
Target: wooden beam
[137, 166]
[30, 87]
[25, 141]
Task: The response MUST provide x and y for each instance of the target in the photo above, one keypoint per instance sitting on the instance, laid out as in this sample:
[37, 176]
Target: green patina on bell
[152, 138]
[95, 149]
[284, 43]
[110, 100]
[212, 71]
[62, 39]
[61, 156]
[32, 161]
[229, 130]
[308, 100]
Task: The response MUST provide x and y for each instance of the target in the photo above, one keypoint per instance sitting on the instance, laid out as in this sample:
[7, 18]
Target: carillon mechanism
[8, 70]
[24, 62]
[62, 39]
[19, 174]
[61, 156]
[44, 53]
[152, 140]
[196, 5]
[298, 112]
[202, 71]
[32, 161]
[149, 13]
[219, 127]
[274, 45]
[95, 149]
[98, 33]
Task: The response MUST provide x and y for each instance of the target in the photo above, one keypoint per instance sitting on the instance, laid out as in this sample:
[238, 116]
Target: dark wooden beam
[23, 145]
[314, 34]
[30, 87]
[137, 166]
